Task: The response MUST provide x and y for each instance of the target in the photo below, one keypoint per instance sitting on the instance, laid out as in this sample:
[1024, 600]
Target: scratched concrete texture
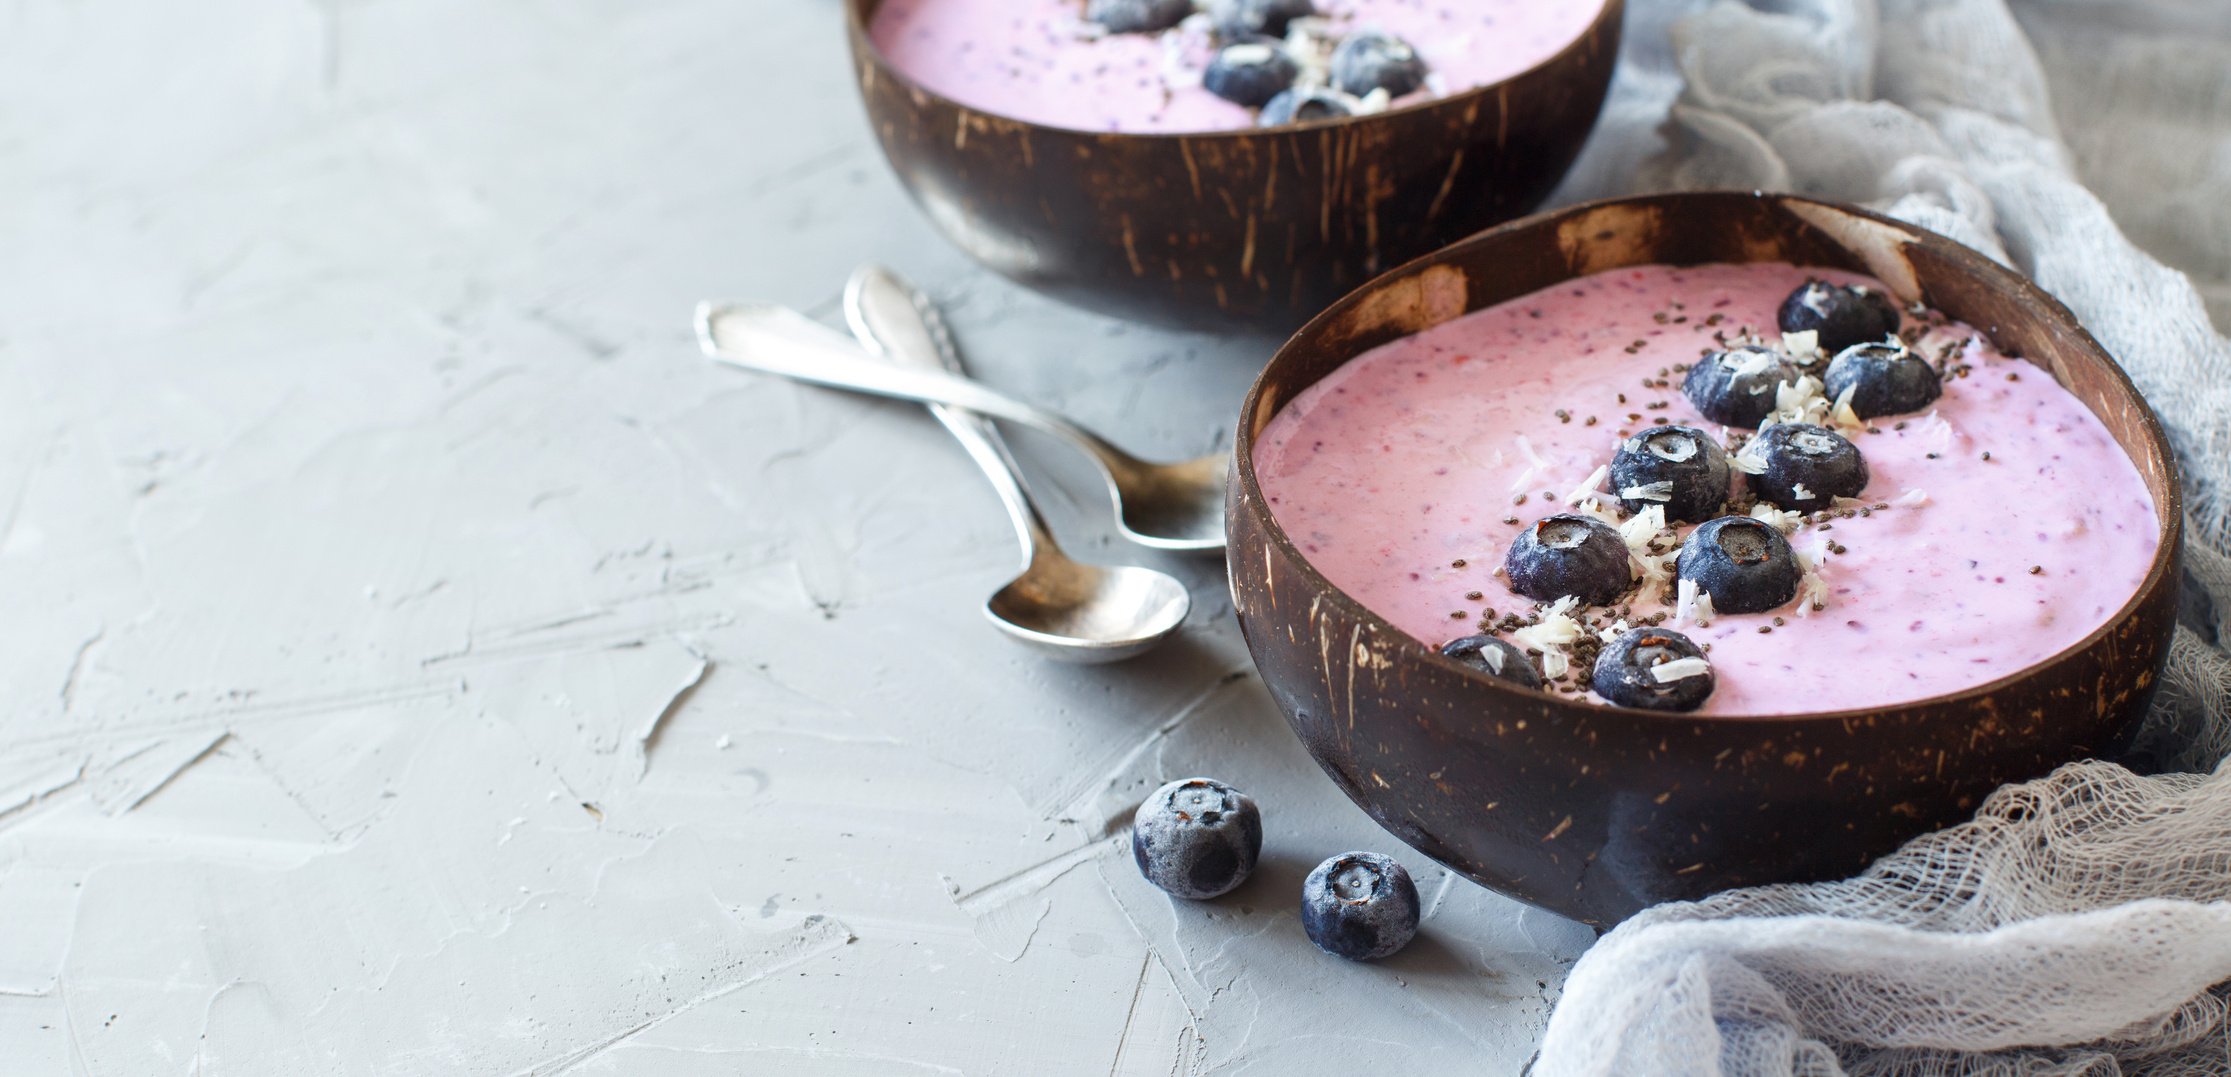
[417, 660]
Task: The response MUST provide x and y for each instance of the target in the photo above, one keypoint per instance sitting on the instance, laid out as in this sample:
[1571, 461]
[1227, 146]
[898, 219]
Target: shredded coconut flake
[1638, 532]
[1557, 630]
[1842, 415]
[1588, 489]
[1803, 347]
[1749, 363]
[1797, 401]
[1798, 492]
[1649, 491]
[1615, 630]
[1692, 604]
[1748, 461]
[1911, 499]
[1679, 669]
[1784, 522]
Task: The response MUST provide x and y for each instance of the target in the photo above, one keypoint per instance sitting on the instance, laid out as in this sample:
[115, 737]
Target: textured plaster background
[416, 660]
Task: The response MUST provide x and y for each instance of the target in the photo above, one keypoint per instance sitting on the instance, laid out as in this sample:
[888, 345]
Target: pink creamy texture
[1408, 459]
[1029, 59]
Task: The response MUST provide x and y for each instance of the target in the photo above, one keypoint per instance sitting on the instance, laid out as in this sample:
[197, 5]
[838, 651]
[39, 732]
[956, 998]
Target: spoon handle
[778, 340]
[891, 319]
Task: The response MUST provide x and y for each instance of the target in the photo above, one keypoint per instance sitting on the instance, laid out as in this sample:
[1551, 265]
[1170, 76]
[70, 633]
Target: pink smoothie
[1399, 476]
[1032, 60]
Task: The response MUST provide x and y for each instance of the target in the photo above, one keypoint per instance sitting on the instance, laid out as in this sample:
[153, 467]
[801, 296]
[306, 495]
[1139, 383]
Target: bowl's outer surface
[1596, 812]
[1233, 229]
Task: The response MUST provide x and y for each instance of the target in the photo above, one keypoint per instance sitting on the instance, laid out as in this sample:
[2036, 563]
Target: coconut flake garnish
[1784, 522]
[1799, 401]
[1535, 465]
[1493, 656]
[1812, 587]
[1638, 532]
[1750, 362]
[1911, 499]
[1616, 629]
[1798, 492]
[1557, 630]
[1692, 604]
[1679, 669]
[1842, 415]
[1649, 491]
[1804, 347]
[1748, 460]
[1589, 488]
[1378, 100]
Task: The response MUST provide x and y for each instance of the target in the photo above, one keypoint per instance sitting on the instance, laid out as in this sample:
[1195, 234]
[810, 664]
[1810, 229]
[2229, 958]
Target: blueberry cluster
[1198, 838]
[1255, 67]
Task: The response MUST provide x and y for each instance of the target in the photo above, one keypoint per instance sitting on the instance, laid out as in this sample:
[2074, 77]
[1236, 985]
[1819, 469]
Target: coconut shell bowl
[1249, 229]
[1597, 811]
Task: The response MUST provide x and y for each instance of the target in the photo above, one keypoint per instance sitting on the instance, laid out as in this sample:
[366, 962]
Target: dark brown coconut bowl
[1595, 811]
[1230, 229]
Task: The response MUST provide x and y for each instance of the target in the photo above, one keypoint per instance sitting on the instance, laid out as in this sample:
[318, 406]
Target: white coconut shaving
[1679, 669]
[1590, 488]
[1692, 604]
[1911, 499]
[1378, 100]
[1649, 491]
[1785, 522]
[1799, 401]
[1803, 347]
[1812, 587]
[1842, 414]
[1798, 492]
[1615, 630]
[1595, 509]
[1640, 532]
[1557, 630]
[1751, 459]
[1310, 41]
[1493, 656]
[1748, 363]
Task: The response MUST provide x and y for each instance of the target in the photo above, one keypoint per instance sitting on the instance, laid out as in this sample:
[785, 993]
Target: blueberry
[1370, 60]
[1495, 658]
[1624, 671]
[1250, 73]
[1814, 457]
[1843, 315]
[1744, 564]
[1681, 463]
[1736, 387]
[1361, 906]
[1238, 20]
[1885, 379]
[1138, 16]
[1197, 838]
[1569, 555]
[1303, 106]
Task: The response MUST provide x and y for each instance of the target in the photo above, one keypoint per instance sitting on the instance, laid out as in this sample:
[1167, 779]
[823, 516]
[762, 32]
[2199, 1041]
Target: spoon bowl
[1088, 614]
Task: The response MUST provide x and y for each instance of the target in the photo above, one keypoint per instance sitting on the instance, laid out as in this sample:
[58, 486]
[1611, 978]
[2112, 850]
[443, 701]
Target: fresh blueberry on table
[1736, 387]
[1806, 466]
[1568, 554]
[1843, 315]
[1495, 658]
[1250, 73]
[1361, 906]
[1653, 668]
[1371, 60]
[1744, 564]
[1679, 467]
[1197, 838]
[1138, 16]
[1884, 379]
[1238, 20]
[1303, 106]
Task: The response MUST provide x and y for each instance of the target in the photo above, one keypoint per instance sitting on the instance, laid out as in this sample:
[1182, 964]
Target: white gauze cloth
[2080, 925]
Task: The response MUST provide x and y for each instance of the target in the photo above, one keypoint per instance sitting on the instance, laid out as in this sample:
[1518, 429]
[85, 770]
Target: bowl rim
[1612, 13]
[2167, 551]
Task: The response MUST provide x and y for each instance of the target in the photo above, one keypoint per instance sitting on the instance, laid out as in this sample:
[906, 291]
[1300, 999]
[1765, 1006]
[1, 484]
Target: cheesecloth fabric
[2080, 925]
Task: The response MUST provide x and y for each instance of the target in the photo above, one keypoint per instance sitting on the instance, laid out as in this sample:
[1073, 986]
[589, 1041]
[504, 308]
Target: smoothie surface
[1032, 59]
[1404, 475]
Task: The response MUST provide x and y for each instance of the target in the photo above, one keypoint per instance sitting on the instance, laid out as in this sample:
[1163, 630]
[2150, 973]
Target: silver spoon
[1176, 506]
[1064, 609]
